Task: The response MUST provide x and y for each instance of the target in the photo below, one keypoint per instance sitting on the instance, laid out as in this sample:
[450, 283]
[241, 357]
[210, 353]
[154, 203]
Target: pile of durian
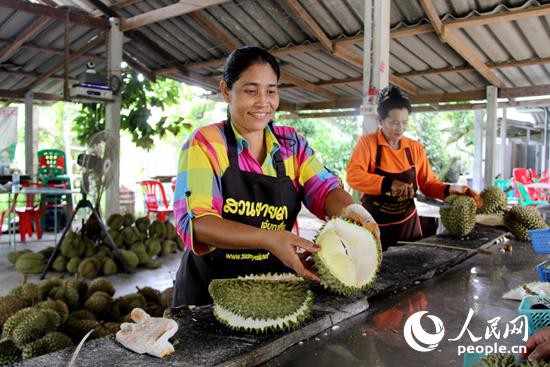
[507, 360]
[347, 263]
[460, 219]
[37, 319]
[139, 242]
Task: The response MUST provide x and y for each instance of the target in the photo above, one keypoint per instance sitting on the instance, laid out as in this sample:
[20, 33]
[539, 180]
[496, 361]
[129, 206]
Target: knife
[429, 201]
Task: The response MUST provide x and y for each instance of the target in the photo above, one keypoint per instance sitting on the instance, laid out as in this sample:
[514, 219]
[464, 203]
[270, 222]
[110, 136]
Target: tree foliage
[140, 98]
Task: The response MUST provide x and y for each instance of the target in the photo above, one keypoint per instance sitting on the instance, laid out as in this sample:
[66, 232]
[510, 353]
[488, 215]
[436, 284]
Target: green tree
[139, 99]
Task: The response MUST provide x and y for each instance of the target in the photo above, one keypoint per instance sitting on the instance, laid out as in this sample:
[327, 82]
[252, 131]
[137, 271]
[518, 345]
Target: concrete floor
[160, 279]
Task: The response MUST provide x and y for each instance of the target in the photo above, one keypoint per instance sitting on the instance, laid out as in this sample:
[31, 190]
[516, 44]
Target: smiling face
[395, 124]
[253, 98]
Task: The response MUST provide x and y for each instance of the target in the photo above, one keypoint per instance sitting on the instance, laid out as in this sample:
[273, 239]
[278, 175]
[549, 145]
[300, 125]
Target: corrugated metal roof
[273, 25]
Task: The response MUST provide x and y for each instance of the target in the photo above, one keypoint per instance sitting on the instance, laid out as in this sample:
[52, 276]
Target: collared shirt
[203, 161]
[361, 165]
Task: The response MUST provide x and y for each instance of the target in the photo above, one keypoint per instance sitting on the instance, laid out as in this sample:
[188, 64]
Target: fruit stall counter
[201, 340]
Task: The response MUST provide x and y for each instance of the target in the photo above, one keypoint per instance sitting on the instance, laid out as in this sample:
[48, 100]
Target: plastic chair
[52, 171]
[526, 199]
[534, 174]
[506, 186]
[522, 175]
[151, 188]
[29, 213]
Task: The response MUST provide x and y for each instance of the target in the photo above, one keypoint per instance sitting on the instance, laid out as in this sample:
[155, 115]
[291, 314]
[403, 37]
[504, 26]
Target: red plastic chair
[545, 174]
[523, 176]
[28, 214]
[151, 189]
[534, 174]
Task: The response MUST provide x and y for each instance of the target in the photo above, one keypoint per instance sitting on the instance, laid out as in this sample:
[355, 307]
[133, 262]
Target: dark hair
[244, 57]
[391, 98]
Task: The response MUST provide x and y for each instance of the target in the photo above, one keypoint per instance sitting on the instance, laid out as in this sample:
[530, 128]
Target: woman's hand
[283, 245]
[401, 189]
[538, 346]
[465, 190]
[357, 213]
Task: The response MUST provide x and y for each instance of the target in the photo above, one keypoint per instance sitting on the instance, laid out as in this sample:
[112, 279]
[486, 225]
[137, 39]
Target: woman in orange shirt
[387, 168]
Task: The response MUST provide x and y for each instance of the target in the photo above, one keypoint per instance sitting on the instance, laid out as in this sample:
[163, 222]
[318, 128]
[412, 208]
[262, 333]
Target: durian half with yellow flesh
[349, 257]
[262, 302]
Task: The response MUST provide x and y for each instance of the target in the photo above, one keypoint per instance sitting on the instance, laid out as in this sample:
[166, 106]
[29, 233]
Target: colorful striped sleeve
[315, 179]
[198, 183]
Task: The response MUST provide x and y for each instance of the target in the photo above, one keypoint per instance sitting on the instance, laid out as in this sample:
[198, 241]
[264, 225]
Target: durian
[520, 219]
[30, 293]
[150, 294]
[115, 222]
[60, 263]
[13, 256]
[143, 224]
[129, 219]
[58, 306]
[101, 284]
[170, 230]
[460, 219]
[494, 201]
[72, 245]
[157, 229]
[49, 343]
[89, 268]
[152, 246]
[349, 256]
[9, 305]
[261, 303]
[109, 266]
[168, 247]
[9, 353]
[72, 265]
[30, 263]
[130, 258]
[130, 301]
[99, 303]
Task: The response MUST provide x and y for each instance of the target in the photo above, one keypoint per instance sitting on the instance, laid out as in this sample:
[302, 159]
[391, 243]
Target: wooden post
[112, 115]
[490, 147]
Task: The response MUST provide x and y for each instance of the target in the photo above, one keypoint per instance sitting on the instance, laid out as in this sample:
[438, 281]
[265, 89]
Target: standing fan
[97, 175]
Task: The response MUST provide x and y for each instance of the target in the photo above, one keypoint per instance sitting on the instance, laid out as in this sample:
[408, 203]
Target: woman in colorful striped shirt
[241, 183]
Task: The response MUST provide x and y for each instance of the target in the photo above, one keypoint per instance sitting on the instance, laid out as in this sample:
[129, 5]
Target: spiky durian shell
[328, 280]
[9, 305]
[494, 201]
[460, 219]
[520, 219]
[49, 343]
[261, 303]
[28, 292]
[9, 353]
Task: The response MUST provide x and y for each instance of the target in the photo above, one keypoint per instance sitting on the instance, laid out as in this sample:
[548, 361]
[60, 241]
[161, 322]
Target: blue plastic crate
[536, 318]
[540, 239]
[543, 270]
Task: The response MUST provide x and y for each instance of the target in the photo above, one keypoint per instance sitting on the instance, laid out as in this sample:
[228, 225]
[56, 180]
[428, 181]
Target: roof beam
[14, 94]
[448, 36]
[118, 5]
[307, 85]
[180, 8]
[129, 59]
[56, 13]
[310, 23]
[218, 34]
[87, 47]
[507, 16]
[496, 65]
[54, 51]
[28, 33]
[30, 74]
[427, 98]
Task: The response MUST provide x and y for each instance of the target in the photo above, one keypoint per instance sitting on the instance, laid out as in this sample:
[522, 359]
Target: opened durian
[460, 219]
[349, 256]
[261, 303]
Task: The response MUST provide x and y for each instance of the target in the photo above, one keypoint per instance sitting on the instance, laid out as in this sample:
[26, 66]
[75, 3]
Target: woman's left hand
[465, 190]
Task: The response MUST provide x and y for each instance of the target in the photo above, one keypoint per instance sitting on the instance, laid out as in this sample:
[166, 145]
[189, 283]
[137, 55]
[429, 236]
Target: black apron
[396, 217]
[249, 198]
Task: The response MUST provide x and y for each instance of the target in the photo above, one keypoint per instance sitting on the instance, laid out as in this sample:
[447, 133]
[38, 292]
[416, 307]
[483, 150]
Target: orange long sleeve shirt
[362, 164]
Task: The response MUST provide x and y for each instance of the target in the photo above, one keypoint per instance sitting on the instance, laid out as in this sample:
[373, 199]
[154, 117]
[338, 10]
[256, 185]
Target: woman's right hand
[283, 245]
[399, 188]
[538, 346]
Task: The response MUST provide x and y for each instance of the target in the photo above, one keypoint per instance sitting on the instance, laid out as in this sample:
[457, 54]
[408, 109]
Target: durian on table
[460, 219]
[261, 303]
[349, 256]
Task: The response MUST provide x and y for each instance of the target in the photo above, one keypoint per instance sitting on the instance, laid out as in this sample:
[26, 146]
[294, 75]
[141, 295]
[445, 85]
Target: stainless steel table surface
[376, 338]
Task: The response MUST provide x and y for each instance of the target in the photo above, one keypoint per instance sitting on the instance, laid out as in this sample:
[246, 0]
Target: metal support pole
[544, 155]
[478, 150]
[376, 54]
[112, 115]
[503, 131]
[31, 135]
[490, 147]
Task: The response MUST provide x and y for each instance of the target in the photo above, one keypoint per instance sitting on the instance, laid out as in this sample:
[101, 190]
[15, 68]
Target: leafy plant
[140, 98]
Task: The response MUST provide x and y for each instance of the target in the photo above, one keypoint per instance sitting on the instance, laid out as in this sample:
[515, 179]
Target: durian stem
[25, 275]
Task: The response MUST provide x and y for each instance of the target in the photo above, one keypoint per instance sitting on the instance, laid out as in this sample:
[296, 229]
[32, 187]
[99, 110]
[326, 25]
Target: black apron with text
[396, 216]
[249, 198]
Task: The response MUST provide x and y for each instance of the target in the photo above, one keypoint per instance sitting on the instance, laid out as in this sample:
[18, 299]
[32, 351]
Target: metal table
[34, 190]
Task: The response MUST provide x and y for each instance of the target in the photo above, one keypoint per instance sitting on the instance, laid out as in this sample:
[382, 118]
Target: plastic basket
[536, 318]
[540, 239]
[543, 270]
